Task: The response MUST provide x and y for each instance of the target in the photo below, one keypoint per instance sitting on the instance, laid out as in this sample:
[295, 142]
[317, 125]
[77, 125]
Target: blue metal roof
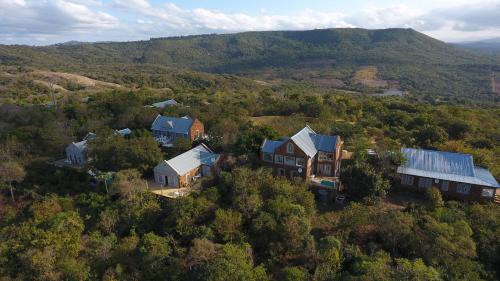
[269, 146]
[172, 124]
[442, 165]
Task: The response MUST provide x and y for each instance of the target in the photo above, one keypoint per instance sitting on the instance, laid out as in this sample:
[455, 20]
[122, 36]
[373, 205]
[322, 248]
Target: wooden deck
[166, 191]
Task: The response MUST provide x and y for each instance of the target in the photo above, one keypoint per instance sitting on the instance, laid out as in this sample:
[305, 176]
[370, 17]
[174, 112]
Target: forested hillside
[403, 58]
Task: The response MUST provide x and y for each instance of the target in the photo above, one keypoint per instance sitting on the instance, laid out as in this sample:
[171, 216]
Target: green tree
[227, 224]
[11, 172]
[434, 198]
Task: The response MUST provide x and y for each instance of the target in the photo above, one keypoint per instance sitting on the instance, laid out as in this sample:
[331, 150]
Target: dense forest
[402, 58]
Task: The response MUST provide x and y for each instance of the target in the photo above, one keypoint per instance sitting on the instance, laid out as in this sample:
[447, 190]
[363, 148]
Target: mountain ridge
[416, 61]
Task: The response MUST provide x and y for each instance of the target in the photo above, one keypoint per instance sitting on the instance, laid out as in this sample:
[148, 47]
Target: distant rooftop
[172, 124]
[166, 103]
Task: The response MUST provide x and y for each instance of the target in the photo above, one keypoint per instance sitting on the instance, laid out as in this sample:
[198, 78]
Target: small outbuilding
[181, 170]
[76, 152]
[166, 103]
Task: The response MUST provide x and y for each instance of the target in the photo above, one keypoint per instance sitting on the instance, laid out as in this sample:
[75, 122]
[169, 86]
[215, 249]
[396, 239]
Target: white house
[76, 152]
[181, 170]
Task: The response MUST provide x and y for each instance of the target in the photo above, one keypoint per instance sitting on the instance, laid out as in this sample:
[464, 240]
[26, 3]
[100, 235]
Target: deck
[168, 192]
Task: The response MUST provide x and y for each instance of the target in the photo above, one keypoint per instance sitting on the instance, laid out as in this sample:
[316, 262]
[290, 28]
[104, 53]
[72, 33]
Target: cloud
[42, 20]
[63, 20]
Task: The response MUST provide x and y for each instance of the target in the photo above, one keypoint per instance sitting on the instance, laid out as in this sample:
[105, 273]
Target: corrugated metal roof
[124, 132]
[307, 140]
[172, 124]
[485, 176]
[442, 165]
[191, 159]
[269, 146]
[165, 103]
[310, 142]
[439, 161]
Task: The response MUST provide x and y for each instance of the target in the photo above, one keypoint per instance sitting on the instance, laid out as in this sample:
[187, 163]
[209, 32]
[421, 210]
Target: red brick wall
[297, 152]
[474, 195]
[196, 126]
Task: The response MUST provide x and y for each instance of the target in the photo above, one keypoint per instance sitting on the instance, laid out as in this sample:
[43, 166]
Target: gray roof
[172, 124]
[165, 103]
[307, 140]
[82, 145]
[123, 132]
[191, 159]
[442, 165]
[311, 143]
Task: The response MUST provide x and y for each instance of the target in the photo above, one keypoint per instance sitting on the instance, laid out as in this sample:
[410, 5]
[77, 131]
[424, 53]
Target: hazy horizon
[31, 22]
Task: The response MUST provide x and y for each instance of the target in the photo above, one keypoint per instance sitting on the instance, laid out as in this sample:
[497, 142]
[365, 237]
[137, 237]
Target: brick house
[183, 169]
[168, 129]
[306, 154]
[454, 174]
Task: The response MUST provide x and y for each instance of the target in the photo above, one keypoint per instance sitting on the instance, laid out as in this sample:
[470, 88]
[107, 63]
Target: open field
[75, 78]
[283, 124]
[367, 76]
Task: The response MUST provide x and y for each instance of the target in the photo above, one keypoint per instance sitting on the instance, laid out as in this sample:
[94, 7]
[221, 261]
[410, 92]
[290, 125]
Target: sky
[44, 22]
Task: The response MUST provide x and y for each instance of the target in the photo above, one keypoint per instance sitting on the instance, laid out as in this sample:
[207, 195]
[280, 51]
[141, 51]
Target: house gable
[297, 151]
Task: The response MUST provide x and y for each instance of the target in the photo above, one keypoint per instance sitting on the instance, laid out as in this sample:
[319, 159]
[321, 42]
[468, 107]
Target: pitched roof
[172, 124]
[269, 146]
[442, 165]
[123, 132]
[311, 143]
[191, 159]
[307, 140]
[165, 103]
[80, 146]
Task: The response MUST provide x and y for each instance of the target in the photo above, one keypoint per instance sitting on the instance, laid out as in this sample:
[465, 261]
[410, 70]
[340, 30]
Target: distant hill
[358, 59]
[489, 47]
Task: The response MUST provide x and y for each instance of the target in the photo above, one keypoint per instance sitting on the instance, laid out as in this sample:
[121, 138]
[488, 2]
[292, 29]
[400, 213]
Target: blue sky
[42, 22]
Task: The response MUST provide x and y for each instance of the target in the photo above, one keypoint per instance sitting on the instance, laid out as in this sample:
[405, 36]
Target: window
[463, 188]
[289, 148]
[290, 161]
[424, 182]
[445, 185]
[323, 156]
[487, 192]
[278, 159]
[268, 157]
[299, 162]
[407, 180]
